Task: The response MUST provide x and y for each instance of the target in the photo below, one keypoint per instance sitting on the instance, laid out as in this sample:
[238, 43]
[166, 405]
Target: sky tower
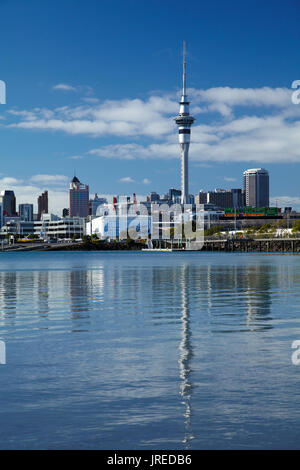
[184, 122]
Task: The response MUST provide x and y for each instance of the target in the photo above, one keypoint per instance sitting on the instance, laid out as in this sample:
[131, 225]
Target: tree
[32, 236]
[86, 239]
[213, 230]
[296, 226]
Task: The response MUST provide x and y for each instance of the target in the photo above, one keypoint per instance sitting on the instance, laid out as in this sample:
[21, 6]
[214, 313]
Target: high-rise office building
[238, 197]
[42, 204]
[201, 198]
[222, 198]
[78, 199]
[26, 212]
[256, 187]
[8, 201]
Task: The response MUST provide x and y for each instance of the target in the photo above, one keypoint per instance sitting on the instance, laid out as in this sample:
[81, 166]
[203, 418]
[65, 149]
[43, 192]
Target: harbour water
[135, 350]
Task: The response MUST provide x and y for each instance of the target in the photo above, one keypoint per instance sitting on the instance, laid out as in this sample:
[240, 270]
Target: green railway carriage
[252, 212]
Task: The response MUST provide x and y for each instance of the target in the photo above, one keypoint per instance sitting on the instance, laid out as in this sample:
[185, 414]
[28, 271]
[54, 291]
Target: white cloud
[64, 87]
[76, 157]
[121, 118]
[49, 179]
[90, 100]
[229, 179]
[146, 181]
[125, 151]
[126, 179]
[286, 201]
[265, 96]
[249, 139]
[8, 181]
[270, 135]
[26, 115]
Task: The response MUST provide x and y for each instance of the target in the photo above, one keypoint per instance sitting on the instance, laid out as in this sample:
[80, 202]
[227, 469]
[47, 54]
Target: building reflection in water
[79, 291]
[8, 295]
[258, 297]
[43, 293]
[186, 353]
[246, 300]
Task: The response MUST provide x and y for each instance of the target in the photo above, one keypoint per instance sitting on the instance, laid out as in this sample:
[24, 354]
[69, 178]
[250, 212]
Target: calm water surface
[149, 350]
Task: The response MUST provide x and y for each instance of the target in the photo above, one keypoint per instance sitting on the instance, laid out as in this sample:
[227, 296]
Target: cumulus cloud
[229, 179]
[286, 201]
[7, 180]
[268, 134]
[126, 179]
[64, 87]
[123, 151]
[49, 179]
[146, 181]
[90, 100]
[231, 97]
[249, 139]
[121, 118]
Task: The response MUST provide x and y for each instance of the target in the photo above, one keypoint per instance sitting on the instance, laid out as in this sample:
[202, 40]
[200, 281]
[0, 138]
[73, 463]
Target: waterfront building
[78, 199]
[42, 204]
[26, 212]
[15, 225]
[50, 226]
[256, 187]
[112, 226]
[184, 122]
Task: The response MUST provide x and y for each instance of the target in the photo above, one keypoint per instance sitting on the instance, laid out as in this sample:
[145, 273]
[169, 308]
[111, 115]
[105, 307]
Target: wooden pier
[281, 245]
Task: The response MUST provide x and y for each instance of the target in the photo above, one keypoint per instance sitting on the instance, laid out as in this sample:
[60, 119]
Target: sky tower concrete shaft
[184, 122]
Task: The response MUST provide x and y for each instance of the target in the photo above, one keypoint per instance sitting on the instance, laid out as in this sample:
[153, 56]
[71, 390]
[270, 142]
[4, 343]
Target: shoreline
[284, 246]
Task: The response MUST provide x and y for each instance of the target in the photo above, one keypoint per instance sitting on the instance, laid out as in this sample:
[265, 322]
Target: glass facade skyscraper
[78, 199]
[256, 187]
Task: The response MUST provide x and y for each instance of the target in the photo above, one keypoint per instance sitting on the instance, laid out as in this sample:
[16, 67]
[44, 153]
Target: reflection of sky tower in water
[184, 122]
[186, 355]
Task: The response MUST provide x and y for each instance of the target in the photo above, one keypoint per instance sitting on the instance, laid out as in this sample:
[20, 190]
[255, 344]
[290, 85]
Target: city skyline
[81, 201]
[108, 111]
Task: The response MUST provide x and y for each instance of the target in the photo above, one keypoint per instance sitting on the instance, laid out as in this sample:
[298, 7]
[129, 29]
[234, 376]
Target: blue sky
[93, 85]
